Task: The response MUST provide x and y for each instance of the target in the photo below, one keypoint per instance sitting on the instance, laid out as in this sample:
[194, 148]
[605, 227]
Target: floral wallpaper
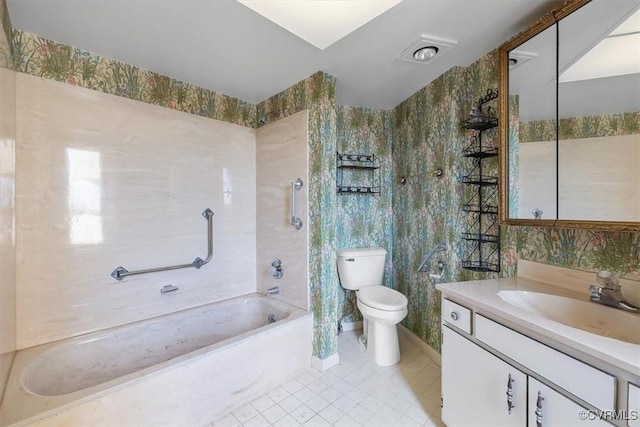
[365, 220]
[45, 58]
[427, 135]
[426, 210]
[581, 127]
[5, 36]
[317, 94]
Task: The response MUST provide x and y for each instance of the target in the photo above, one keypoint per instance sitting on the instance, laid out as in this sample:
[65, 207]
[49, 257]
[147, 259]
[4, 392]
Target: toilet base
[381, 343]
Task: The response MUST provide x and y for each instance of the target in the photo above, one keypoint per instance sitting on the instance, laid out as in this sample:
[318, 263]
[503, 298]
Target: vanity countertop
[482, 296]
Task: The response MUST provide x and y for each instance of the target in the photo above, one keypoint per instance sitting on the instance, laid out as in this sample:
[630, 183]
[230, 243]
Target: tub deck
[184, 368]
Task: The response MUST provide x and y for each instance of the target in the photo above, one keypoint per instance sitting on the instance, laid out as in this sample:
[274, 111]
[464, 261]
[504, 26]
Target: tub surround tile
[7, 223]
[104, 181]
[281, 154]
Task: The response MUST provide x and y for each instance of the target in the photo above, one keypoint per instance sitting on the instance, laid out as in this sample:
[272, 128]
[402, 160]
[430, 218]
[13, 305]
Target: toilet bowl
[382, 308]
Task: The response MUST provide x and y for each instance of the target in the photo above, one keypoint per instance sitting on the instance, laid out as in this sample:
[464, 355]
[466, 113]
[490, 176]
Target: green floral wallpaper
[427, 210]
[427, 133]
[317, 94]
[581, 127]
[5, 36]
[45, 58]
[365, 220]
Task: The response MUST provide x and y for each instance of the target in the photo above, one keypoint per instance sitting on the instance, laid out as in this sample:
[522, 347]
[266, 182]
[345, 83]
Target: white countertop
[482, 295]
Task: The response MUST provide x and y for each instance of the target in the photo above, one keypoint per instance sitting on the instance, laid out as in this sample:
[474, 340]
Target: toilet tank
[361, 267]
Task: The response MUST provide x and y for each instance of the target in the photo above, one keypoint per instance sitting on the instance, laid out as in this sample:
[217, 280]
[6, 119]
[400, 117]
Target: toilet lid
[382, 298]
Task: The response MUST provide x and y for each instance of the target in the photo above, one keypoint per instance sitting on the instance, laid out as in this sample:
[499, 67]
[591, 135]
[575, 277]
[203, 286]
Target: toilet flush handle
[350, 259]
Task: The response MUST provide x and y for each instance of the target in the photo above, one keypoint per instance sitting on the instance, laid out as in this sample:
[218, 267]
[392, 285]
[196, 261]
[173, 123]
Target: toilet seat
[382, 298]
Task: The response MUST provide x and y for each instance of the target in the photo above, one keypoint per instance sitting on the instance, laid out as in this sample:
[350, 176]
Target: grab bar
[121, 272]
[295, 186]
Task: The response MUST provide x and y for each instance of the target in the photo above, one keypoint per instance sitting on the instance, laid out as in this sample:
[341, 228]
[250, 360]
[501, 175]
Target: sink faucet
[610, 292]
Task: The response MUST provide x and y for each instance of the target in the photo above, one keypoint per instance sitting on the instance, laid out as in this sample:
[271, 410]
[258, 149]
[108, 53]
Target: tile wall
[7, 203]
[281, 154]
[104, 181]
[7, 223]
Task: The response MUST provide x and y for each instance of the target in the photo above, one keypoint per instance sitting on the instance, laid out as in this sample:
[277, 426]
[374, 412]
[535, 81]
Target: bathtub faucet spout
[273, 291]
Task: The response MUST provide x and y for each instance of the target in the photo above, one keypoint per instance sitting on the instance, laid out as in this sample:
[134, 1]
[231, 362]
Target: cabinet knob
[454, 315]
[510, 404]
[539, 410]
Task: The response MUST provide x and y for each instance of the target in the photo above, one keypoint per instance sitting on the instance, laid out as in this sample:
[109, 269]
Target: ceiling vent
[425, 49]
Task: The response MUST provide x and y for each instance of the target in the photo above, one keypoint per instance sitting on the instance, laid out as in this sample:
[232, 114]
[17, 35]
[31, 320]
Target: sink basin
[585, 315]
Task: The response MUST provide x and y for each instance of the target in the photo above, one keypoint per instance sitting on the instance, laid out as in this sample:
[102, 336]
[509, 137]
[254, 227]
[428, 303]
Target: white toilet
[382, 308]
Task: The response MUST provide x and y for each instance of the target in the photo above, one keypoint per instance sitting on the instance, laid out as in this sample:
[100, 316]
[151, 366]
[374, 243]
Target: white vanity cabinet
[489, 369]
[547, 407]
[478, 388]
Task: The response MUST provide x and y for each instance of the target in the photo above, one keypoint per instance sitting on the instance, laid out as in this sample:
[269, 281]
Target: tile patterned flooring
[355, 393]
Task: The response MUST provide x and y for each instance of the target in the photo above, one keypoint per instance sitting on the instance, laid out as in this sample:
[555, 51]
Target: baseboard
[423, 346]
[351, 326]
[324, 364]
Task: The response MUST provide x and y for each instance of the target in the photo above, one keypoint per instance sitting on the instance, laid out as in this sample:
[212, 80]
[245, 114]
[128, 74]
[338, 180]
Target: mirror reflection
[592, 138]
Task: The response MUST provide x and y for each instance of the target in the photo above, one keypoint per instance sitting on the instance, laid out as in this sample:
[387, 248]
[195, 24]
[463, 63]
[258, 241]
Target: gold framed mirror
[570, 119]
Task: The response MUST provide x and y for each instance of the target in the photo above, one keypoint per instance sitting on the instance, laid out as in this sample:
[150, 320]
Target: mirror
[570, 125]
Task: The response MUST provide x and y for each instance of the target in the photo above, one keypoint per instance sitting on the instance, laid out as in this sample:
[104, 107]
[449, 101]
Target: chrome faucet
[273, 291]
[610, 292]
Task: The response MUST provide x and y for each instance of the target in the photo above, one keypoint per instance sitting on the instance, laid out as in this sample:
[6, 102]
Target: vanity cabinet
[547, 407]
[495, 376]
[478, 388]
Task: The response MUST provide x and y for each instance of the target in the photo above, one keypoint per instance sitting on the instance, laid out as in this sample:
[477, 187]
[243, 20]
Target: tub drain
[271, 318]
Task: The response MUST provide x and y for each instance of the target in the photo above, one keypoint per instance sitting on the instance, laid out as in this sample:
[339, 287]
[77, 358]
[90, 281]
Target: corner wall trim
[423, 346]
[325, 364]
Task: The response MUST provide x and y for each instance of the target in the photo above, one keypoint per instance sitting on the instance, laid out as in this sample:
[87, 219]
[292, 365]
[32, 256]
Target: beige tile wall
[104, 181]
[282, 158]
[7, 223]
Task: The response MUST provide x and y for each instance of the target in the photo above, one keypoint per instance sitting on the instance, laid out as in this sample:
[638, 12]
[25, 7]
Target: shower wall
[281, 157]
[104, 181]
[7, 223]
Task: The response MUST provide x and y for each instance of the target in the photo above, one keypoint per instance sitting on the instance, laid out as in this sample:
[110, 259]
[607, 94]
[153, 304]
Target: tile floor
[355, 393]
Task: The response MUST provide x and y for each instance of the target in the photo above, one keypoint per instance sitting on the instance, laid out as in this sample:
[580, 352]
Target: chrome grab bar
[295, 186]
[121, 272]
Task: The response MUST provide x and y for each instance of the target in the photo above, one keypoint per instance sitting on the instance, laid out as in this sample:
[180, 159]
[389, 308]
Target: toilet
[382, 308]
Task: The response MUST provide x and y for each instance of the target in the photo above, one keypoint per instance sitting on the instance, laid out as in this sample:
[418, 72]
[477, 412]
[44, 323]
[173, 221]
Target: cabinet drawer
[456, 315]
[586, 382]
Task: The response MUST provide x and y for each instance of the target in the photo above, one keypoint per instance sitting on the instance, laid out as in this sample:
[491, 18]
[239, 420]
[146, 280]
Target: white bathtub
[185, 368]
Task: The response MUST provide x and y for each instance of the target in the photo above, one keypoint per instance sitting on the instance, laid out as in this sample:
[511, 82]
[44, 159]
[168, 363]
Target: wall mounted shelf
[483, 233]
[357, 174]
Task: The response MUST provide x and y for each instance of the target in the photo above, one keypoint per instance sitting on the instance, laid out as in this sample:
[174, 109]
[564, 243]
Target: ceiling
[224, 46]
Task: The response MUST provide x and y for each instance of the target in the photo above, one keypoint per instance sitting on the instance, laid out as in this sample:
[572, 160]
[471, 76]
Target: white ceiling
[224, 46]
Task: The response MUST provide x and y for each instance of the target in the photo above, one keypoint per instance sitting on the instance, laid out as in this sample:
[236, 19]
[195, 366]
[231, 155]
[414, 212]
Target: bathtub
[184, 368]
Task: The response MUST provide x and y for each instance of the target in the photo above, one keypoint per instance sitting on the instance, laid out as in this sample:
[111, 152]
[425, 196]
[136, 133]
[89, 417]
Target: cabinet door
[556, 409]
[476, 386]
